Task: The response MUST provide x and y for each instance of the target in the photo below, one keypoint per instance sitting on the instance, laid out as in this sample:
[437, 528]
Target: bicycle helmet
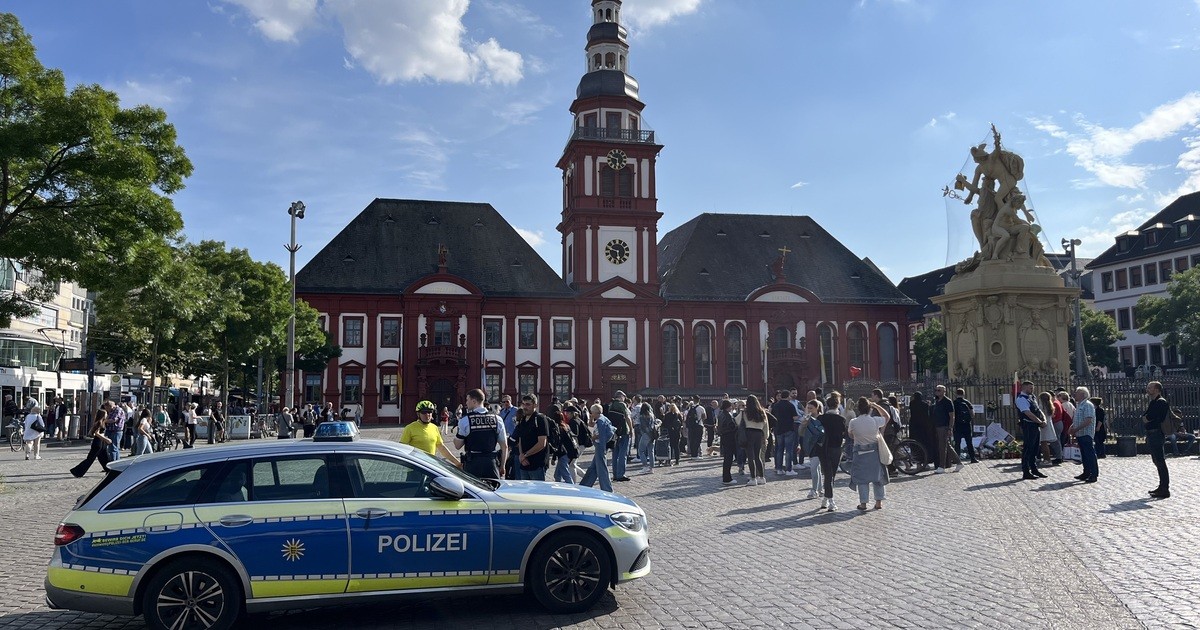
[425, 405]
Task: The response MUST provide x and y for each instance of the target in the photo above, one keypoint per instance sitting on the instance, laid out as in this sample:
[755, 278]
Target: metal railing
[1125, 399]
[640, 136]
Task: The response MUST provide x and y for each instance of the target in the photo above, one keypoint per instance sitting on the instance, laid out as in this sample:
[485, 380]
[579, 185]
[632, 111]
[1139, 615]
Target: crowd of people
[787, 433]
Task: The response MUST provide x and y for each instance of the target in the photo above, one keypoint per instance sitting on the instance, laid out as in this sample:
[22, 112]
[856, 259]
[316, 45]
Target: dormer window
[1184, 230]
[1152, 238]
[1123, 244]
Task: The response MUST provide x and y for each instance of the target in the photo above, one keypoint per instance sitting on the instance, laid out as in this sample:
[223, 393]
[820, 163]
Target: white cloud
[396, 41]
[514, 13]
[535, 238]
[421, 39]
[933, 122]
[799, 184]
[280, 20]
[155, 92]
[1189, 164]
[1102, 151]
[1099, 236]
[427, 155]
[646, 14]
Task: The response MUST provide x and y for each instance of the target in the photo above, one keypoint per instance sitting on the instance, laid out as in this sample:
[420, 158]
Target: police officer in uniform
[480, 433]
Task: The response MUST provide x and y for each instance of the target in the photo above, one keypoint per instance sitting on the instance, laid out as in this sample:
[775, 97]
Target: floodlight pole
[296, 210]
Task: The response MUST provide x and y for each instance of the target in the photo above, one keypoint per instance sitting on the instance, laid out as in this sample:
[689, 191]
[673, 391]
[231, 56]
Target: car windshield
[451, 471]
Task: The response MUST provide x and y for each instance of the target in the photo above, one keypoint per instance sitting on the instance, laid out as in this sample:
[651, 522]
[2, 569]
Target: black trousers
[1031, 438]
[830, 458]
[674, 436]
[99, 450]
[482, 466]
[962, 430]
[1155, 442]
[711, 429]
[728, 448]
[695, 433]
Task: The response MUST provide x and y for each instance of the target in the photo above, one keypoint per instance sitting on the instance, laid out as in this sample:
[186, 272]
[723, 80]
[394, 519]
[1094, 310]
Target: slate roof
[725, 257]
[394, 242]
[1183, 209]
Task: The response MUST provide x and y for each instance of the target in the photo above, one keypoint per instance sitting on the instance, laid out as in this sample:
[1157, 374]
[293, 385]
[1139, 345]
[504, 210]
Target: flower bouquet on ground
[1006, 450]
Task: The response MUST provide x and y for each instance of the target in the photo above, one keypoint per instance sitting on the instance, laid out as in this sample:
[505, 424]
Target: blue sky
[856, 113]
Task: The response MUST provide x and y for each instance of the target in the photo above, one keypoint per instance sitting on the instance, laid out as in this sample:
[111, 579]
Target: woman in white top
[142, 433]
[33, 437]
[866, 471]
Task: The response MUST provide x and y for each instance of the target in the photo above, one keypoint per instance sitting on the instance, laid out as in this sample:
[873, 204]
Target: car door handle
[236, 520]
[369, 513]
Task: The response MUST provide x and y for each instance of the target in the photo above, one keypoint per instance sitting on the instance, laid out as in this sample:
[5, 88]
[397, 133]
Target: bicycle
[16, 435]
[165, 438]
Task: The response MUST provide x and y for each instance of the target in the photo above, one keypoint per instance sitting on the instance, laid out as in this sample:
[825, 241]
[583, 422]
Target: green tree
[1175, 318]
[929, 344]
[149, 326]
[82, 181]
[1099, 334]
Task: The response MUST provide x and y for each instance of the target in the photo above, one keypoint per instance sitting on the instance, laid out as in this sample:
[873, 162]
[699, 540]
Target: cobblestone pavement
[976, 549]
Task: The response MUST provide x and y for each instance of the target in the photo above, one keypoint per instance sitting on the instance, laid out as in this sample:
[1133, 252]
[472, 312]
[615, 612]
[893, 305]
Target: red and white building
[430, 299]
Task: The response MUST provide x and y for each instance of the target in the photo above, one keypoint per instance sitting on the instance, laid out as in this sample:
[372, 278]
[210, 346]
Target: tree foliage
[84, 184]
[1099, 336]
[1175, 318]
[929, 344]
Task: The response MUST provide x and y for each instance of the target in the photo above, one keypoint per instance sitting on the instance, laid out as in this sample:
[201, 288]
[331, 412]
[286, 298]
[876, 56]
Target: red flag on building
[855, 371]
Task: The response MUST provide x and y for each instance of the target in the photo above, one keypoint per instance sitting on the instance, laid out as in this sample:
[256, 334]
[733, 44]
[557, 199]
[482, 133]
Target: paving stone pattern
[976, 549]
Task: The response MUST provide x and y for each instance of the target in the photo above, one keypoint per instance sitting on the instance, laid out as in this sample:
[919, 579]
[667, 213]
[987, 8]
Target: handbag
[885, 454]
[38, 425]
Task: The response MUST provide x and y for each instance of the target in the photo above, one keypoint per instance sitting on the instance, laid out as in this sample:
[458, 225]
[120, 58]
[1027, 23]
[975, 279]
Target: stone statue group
[1005, 228]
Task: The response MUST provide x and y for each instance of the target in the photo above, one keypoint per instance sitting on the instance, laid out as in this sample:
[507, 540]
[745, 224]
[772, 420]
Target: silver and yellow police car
[198, 538]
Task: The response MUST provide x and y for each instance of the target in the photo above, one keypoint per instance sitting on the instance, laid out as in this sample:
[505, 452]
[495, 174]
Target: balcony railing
[787, 354]
[640, 136]
[441, 353]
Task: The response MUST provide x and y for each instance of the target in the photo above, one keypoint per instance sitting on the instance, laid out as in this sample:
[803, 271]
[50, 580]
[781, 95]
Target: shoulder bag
[885, 454]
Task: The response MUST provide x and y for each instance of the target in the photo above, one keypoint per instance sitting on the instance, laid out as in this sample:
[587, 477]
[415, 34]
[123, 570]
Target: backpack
[569, 445]
[554, 440]
[814, 435]
[693, 416]
[620, 427]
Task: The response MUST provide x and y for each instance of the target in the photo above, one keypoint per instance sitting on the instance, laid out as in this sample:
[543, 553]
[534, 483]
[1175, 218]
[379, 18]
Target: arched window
[780, 338]
[596, 62]
[670, 355]
[856, 348]
[733, 354]
[827, 360]
[703, 354]
[610, 60]
[608, 15]
[887, 352]
[622, 64]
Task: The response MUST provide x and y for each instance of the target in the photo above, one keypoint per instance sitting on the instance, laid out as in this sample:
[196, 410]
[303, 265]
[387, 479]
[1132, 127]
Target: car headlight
[629, 520]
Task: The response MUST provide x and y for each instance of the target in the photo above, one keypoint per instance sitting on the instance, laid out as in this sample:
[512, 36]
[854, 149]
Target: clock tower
[610, 212]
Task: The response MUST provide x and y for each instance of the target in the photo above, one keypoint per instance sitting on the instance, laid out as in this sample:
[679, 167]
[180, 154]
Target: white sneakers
[791, 473]
[938, 470]
[802, 467]
[832, 507]
[753, 482]
[824, 503]
[958, 468]
[812, 494]
[762, 481]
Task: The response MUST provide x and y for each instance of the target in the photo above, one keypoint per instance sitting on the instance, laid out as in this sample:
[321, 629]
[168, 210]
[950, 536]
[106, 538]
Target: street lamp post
[296, 210]
[1069, 246]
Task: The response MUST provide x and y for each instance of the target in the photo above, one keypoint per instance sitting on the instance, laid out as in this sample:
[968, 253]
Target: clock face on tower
[617, 251]
[617, 159]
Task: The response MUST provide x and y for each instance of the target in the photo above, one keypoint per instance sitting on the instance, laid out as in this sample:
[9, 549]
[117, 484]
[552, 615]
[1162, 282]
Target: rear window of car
[109, 477]
[173, 487]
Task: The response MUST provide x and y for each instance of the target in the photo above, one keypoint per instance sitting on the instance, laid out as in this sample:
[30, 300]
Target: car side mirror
[449, 488]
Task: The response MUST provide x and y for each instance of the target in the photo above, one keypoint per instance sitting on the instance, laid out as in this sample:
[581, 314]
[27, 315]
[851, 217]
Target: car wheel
[192, 593]
[569, 572]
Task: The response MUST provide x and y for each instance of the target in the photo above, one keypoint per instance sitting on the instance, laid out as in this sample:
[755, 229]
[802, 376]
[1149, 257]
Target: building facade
[431, 299]
[1142, 262]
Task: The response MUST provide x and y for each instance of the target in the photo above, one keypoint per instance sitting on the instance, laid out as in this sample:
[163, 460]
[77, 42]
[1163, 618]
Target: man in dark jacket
[943, 411]
[964, 412]
[1156, 412]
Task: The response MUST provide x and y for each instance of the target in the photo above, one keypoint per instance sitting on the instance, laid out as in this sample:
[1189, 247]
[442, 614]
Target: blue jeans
[785, 450]
[646, 451]
[141, 445]
[114, 449]
[1087, 453]
[564, 471]
[620, 453]
[598, 471]
[537, 474]
[864, 491]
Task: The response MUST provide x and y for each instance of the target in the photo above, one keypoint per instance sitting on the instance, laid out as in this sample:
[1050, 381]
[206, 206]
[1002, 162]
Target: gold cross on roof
[784, 250]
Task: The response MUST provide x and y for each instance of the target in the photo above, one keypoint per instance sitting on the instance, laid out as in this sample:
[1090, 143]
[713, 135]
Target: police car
[197, 538]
